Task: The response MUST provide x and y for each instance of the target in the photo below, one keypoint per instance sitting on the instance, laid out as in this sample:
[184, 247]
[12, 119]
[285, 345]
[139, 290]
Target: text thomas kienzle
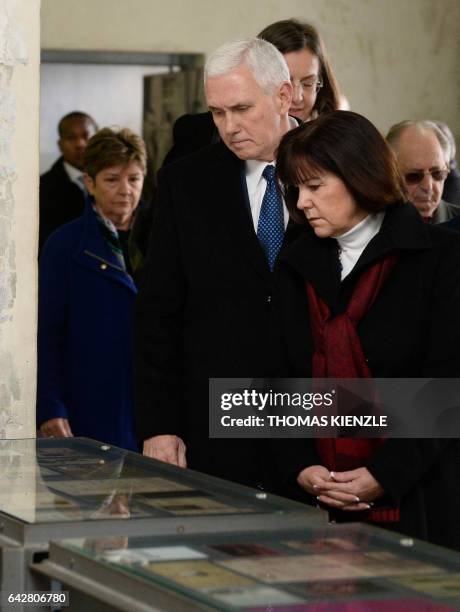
[260, 401]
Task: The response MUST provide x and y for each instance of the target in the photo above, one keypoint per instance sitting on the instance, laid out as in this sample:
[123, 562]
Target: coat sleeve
[402, 463]
[46, 198]
[290, 457]
[52, 329]
[158, 326]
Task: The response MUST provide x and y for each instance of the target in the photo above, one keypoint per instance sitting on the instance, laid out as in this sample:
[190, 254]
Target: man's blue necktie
[270, 229]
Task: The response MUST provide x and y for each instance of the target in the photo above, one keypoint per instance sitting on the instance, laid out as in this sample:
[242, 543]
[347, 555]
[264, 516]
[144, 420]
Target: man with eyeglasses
[423, 157]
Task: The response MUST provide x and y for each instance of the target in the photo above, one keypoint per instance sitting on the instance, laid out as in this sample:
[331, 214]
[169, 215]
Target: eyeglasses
[308, 86]
[416, 177]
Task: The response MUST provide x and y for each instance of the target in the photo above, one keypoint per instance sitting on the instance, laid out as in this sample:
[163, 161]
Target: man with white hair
[451, 192]
[423, 157]
[205, 309]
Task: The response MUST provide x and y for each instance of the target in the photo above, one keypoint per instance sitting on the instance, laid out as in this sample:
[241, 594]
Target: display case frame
[381, 566]
[44, 470]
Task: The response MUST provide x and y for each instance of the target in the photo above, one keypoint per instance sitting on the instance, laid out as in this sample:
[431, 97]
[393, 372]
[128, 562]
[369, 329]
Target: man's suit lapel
[234, 210]
[228, 179]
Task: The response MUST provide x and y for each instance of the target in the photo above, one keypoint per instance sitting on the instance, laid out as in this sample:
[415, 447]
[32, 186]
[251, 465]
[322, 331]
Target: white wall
[19, 75]
[395, 59]
[112, 94]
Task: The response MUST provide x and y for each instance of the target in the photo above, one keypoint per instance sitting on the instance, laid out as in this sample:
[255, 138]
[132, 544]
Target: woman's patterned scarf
[109, 232]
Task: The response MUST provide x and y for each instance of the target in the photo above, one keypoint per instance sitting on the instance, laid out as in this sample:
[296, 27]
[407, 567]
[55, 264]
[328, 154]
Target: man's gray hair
[262, 58]
[396, 131]
[445, 129]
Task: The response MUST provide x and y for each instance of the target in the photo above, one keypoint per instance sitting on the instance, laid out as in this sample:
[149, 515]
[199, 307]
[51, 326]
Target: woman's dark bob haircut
[350, 147]
[291, 35]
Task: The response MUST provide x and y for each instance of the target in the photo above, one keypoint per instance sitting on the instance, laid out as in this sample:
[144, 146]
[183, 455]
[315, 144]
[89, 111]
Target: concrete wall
[19, 88]
[394, 59]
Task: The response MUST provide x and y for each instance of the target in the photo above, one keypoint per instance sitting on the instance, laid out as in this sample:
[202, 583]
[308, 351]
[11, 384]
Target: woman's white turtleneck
[352, 243]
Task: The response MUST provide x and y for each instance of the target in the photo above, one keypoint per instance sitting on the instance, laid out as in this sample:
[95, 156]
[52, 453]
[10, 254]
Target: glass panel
[377, 570]
[77, 479]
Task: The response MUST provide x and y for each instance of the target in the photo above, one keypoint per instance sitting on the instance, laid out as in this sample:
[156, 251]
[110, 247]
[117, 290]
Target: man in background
[62, 193]
[451, 192]
[423, 157]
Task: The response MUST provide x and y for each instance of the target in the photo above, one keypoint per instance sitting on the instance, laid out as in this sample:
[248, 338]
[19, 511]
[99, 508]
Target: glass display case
[334, 568]
[76, 487]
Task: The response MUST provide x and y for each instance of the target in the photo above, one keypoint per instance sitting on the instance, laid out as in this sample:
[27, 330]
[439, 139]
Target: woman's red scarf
[338, 354]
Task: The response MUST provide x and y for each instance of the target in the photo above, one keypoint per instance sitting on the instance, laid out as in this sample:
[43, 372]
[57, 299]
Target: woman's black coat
[411, 331]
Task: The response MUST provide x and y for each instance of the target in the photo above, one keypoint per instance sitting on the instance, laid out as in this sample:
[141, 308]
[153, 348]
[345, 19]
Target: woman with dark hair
[314, 83]
[315, 89]
[368, 290]
[87, 290]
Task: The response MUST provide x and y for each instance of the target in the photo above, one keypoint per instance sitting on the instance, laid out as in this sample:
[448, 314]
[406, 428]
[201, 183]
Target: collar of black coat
[223, 153]
[315, 259]
[59, 173]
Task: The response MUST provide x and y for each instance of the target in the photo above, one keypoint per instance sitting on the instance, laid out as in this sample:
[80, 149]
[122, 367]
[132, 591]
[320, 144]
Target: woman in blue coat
[86, 297]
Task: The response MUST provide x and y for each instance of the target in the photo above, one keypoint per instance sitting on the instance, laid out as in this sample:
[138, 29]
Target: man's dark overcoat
[204, 310]
[61, 201]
